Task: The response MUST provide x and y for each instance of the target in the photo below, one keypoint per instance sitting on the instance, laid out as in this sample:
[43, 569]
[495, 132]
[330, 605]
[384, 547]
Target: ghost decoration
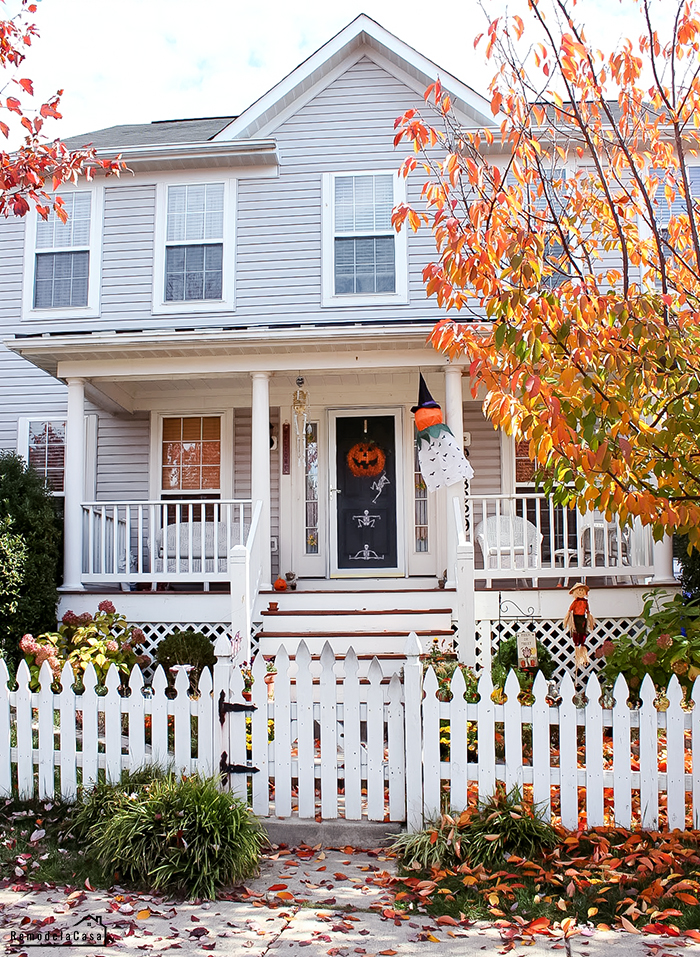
[440, 456]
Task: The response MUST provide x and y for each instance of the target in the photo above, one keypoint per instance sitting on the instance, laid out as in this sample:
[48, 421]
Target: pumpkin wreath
[365, 460]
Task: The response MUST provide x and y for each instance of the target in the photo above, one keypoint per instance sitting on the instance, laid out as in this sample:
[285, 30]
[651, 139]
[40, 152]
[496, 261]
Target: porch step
[350, 622]
[332, 600]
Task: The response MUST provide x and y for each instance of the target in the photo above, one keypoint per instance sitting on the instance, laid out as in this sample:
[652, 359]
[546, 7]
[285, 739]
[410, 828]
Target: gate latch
[226, 706]
[225, 768]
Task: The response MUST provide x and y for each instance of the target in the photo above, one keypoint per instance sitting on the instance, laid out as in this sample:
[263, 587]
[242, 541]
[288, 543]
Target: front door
[365, 532]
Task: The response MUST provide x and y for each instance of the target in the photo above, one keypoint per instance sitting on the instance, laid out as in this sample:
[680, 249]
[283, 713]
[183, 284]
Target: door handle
[330, 491]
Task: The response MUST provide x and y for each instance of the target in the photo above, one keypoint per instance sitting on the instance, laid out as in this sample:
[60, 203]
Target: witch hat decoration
[440, 455]
[425, 399]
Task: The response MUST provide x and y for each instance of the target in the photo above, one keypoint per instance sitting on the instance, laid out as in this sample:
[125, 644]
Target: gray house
[214, 361]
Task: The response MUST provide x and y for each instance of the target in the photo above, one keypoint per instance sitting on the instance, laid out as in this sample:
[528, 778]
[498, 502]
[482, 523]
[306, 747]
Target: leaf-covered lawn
[606, 878]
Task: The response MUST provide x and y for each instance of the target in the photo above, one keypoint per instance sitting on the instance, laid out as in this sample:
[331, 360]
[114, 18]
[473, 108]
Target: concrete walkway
[306, 903]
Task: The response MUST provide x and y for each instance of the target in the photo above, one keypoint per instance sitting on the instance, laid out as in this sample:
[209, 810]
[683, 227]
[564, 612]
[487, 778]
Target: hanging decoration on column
[300, 401]
[440, 456]
[579, 622]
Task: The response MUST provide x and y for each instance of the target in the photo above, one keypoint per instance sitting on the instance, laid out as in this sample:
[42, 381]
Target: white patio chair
[501, 537]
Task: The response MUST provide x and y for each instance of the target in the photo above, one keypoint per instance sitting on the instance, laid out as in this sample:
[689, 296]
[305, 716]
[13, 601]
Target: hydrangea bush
[669, 644]
[103, 639]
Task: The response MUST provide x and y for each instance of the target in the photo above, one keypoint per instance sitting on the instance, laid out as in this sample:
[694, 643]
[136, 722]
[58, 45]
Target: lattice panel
[155, 631]
[557, 641]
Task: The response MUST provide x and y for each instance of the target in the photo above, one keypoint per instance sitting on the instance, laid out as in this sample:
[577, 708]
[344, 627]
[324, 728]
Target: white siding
[127, 265]
[122, 457]
[348, 126]
[484, 452]
[25, 390]
[11, 252]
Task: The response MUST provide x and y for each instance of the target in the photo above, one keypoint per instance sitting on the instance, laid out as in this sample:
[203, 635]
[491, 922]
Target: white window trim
[328, 296]
[90, 475]
[227, 449]
[227, 303]
[92, 309]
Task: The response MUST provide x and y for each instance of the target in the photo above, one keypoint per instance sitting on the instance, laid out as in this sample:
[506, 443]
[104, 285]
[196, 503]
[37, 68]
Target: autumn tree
[30, 174]
[568, 254]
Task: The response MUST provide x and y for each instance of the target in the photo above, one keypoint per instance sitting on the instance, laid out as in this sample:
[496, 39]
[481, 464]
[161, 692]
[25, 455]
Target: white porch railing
[245, 571]
[528, 536]
[175, 540]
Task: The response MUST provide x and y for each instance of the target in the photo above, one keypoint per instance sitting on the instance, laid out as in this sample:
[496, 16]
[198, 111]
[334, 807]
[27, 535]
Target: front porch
[198, 564]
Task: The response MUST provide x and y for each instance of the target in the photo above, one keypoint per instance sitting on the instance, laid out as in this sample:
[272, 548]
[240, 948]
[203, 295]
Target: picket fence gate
[331, 744]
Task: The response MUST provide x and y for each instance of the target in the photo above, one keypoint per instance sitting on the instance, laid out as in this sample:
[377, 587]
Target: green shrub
[486, 834]
[13, 556]
[181, 835]
[444, 664]
[438, 845]
[30, 549]
[103, 639]
[669, 644]
[506, 659]
[101, 802]
[690, 568]
[505, 825]
[186, 648]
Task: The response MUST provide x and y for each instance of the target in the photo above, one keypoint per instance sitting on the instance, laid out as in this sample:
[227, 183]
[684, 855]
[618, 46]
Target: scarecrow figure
[579, 622]
[440, 456]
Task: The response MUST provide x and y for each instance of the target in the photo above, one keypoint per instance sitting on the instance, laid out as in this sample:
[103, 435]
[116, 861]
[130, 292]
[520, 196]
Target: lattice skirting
[156, 631]
[557, 641]
[549, 631]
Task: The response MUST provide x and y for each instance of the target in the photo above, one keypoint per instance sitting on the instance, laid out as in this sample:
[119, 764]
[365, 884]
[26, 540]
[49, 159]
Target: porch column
[454, 419]
[74, 484]
[260, 467]
[663, 562]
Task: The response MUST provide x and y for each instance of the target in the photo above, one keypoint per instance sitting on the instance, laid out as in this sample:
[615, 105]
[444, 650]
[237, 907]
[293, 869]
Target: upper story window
[194, 248]
[63, 256]
[62, 260]
[364, 259]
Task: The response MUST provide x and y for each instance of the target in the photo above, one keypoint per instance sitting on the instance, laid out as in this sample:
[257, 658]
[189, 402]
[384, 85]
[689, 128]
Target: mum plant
[669, 644]
[103, 639]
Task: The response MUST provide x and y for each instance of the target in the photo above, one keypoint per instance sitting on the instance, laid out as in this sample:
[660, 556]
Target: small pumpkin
[280, 585]
[426, 417]
[365, 460]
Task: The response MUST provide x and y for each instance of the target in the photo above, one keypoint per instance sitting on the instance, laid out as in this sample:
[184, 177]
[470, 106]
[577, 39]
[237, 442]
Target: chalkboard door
[365, 495]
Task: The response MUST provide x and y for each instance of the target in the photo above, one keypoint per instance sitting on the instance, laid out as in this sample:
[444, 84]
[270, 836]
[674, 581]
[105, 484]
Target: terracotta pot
[273, 606]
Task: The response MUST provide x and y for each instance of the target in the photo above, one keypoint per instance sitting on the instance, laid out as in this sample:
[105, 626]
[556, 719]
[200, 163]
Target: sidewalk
[306, 903]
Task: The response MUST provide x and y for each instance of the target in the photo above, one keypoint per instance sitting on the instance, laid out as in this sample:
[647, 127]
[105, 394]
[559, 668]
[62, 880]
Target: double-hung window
[364, 258]
[62, 262]
[194, 249]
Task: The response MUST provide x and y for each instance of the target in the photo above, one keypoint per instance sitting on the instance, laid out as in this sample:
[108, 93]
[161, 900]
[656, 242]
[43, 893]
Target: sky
[142, 60]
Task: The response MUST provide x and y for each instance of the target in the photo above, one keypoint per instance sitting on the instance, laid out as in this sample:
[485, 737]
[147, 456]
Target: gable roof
[362, 36]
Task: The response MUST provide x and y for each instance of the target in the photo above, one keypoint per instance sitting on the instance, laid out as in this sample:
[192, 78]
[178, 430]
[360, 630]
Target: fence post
[239, 575]
[466, 611]
[222, 677]
[413, 693]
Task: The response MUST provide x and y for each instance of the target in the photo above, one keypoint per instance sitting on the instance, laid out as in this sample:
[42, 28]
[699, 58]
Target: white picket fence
[330, 744]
